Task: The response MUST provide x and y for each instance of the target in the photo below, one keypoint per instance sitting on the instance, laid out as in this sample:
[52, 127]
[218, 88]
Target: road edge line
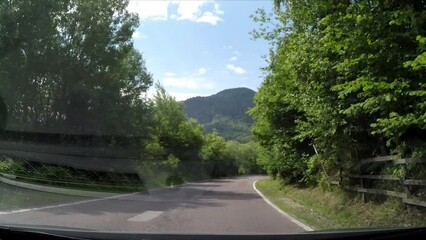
[55, 189]
[22, 210]
[64, 204]
[292, 219]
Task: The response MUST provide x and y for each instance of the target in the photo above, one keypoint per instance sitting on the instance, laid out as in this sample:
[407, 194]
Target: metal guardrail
[67, 164]
[79, 158]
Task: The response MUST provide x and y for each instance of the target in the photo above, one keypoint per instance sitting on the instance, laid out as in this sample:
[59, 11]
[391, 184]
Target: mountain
[224, 112]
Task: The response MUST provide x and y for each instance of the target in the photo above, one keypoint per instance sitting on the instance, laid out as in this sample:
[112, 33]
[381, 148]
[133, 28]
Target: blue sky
[198, 48]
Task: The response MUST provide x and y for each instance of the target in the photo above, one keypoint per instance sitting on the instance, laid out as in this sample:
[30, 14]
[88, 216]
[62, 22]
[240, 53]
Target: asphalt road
[218, 206]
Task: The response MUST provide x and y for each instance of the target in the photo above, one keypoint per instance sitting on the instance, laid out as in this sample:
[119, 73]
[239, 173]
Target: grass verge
[336, 209]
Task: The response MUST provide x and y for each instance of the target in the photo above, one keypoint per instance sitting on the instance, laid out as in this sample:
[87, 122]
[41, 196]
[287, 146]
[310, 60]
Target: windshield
[213, 116]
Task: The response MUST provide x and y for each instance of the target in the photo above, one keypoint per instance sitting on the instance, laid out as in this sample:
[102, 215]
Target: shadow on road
[194, 195]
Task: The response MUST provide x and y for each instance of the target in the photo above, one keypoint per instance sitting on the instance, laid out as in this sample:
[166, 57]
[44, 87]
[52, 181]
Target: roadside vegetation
[345, 81]
[334, 208]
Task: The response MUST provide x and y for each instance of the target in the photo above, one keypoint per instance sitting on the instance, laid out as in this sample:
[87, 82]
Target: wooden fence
[364, 172]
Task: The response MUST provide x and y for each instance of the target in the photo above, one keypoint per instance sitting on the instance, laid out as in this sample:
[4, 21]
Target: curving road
[218, 206]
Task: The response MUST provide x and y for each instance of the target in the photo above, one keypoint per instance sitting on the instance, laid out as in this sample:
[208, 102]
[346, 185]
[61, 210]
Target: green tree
[175, 133]
[173, 143]
[342, 75]
[214, 154]
[70, 66]
[244, 156]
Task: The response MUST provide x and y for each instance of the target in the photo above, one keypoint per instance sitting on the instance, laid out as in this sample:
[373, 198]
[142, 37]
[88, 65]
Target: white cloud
[209, 17]
[181, 96]
[217, 9]
[194, 11]
[227, 47]
[178, 95]
[136, 35]
[191, 10]
[169, 74]
[152, 9]
[233, 58]
[235, 69]
[150, 93]
[192, 81]
[187, 82]
[202, 70]
[236, 53]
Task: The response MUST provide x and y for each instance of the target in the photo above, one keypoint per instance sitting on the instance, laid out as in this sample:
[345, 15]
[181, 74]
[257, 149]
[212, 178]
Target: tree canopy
[342, 75]
[70, 66]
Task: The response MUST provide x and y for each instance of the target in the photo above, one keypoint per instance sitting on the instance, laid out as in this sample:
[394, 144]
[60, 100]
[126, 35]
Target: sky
[200, 47]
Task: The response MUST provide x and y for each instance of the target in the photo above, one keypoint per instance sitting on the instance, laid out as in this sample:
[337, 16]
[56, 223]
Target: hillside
[225, 112]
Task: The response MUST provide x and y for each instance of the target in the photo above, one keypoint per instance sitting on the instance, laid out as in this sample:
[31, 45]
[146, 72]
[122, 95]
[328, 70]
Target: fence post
[340, 174]
[360, 173]
[407, 189]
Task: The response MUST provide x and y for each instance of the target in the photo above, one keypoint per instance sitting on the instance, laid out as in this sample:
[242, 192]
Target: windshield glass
[213, 116]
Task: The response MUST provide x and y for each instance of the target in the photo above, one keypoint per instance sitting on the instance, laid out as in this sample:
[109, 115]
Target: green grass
[336, 209]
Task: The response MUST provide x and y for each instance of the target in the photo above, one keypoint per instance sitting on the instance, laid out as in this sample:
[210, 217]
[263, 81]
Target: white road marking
[297, 222]
[145, 217]
[64, 205]
[80, 202]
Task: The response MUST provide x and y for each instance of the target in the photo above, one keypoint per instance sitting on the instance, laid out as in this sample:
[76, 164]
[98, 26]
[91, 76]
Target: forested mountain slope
[224, 112]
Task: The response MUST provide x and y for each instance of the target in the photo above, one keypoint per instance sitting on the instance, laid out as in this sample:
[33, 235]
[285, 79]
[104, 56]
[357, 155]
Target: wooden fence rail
[405, 180]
